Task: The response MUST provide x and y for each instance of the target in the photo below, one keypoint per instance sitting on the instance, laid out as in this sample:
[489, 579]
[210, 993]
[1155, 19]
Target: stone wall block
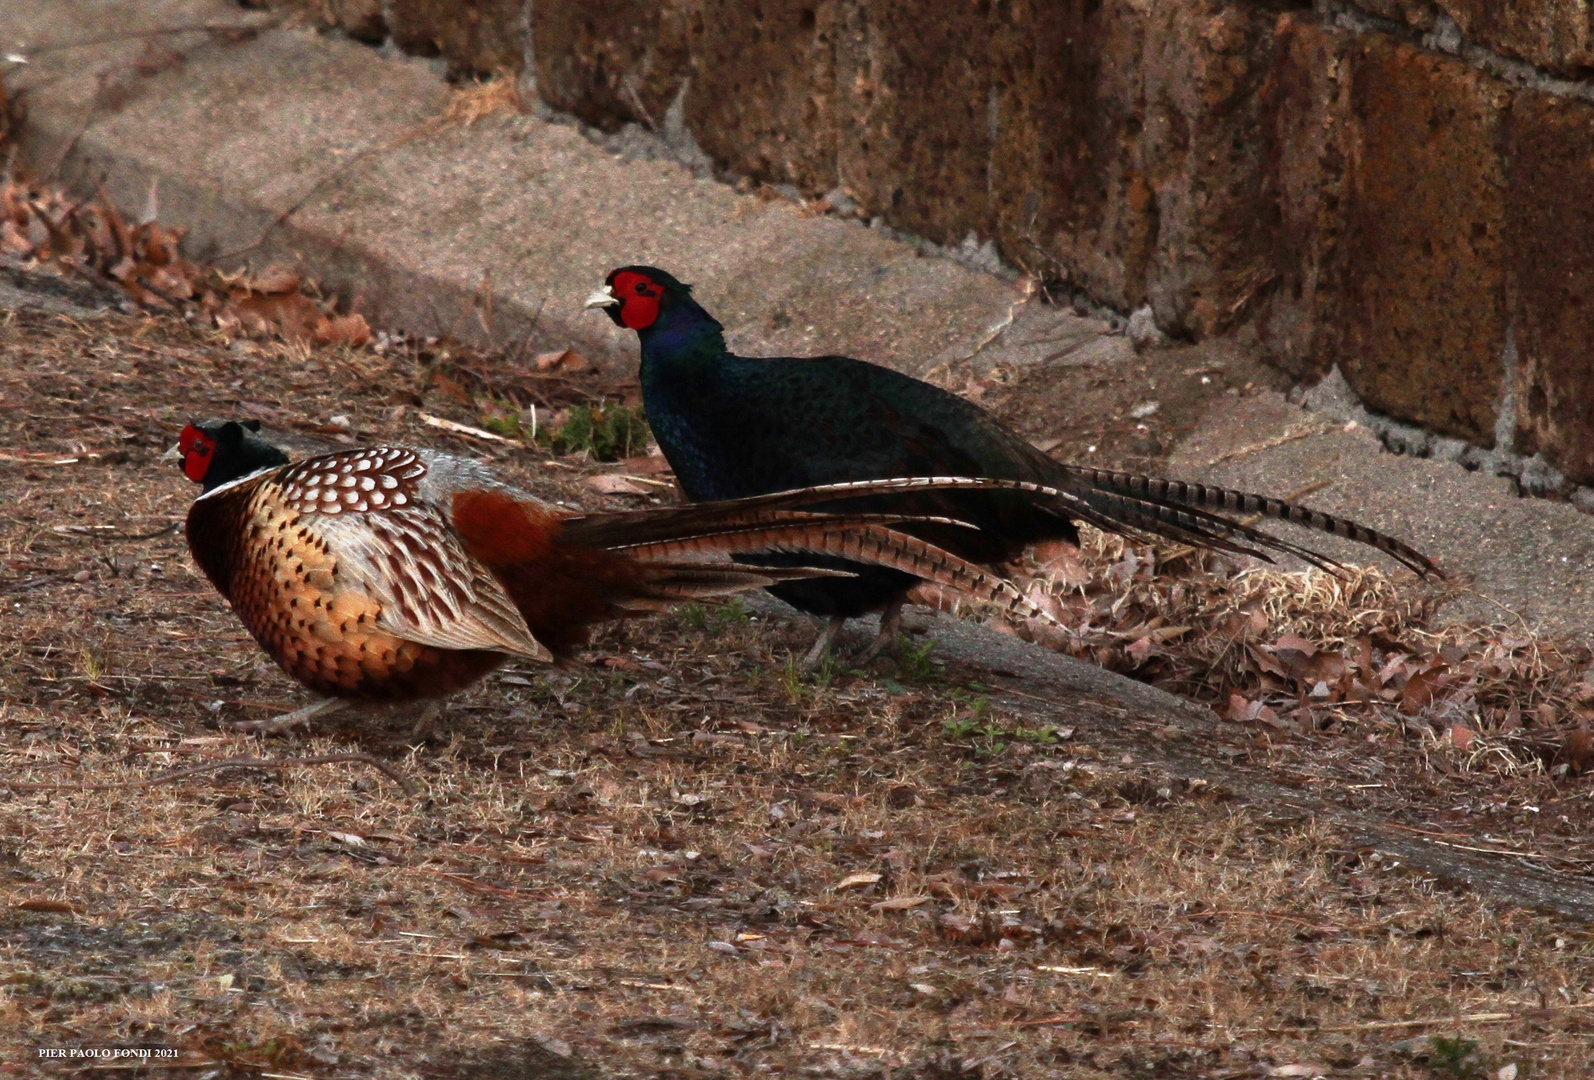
[1550, 254]
[1553, 34]
[1231, 162]
[762, 101]
[362, 20]
[1305, 107]
[1205, 64]
[612, 62]
[1423, 319]
[1418, 13]
[914, 133]
[1068, 192]
[478, 37]
[1128, 154]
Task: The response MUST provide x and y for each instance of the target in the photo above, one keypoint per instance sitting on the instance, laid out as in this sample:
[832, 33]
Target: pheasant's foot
[827, 637]
[289, 719]
[889, 640]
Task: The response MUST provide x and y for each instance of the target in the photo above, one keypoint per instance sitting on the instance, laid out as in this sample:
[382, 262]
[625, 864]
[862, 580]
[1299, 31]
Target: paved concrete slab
[1527, 558]
[23, 287]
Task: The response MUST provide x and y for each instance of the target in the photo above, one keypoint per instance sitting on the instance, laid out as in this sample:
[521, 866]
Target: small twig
[483, 887]
[1306, 489]
[461, 429]
[874, 1051]
[92, 110]
[1254, 448]
[991, 335]
[427, 127]
[628, 89]
[1029, 238]
[1413, 829]
[1427, 1021]
[1326, 928]
[1051, 1021]
[95, 533]
[326, 178]
[102, 77]
[1434, 837]
[1504, 851]
[30, 458]
[1064, 353]
[1098, 703]
[484, 307]
[226, 763]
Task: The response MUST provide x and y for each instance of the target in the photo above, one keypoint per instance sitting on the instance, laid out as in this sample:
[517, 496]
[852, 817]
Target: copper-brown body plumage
[266, 550]
[389, 573]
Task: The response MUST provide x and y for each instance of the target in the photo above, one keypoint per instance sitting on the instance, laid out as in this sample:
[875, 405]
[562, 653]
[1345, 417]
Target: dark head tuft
[216, 451]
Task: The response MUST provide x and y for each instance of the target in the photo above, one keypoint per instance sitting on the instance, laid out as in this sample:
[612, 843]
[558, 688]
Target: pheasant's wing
[401, 549]
[430, 589]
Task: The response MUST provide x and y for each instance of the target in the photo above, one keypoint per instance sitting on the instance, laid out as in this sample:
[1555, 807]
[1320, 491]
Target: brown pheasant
[392, 574]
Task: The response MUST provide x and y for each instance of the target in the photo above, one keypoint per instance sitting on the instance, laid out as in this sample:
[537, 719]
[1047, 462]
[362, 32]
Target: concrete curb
[331, 157]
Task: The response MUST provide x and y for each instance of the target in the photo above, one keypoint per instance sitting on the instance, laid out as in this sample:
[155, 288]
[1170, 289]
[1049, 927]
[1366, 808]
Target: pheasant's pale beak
[604, 297]
[175, 454]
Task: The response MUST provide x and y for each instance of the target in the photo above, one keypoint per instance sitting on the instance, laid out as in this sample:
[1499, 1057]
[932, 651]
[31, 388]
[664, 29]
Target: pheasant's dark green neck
[685, 340]
[683, 366]
[234, 459]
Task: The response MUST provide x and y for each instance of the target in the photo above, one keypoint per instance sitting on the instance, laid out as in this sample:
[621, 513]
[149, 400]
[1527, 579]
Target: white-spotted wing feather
[400, 548]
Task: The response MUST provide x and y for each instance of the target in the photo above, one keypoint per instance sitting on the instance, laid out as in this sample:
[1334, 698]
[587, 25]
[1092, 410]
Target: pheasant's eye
[642, 288]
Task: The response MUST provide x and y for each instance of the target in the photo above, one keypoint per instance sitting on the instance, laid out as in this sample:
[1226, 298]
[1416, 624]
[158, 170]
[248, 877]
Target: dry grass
[676, 860]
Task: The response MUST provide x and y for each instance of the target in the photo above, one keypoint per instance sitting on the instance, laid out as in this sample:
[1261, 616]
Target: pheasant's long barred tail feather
[626, 527]
[1188, 525]
[1116, 502]
[868, 543]
[1171, 493]
[663, 531]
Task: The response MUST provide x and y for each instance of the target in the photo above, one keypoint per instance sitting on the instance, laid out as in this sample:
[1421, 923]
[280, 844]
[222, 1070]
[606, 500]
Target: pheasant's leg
[889, 640]
[816, 655]
[297, 716]
[429, 712]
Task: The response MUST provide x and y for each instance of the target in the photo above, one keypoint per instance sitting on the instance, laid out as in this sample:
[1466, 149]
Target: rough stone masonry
[1402, 188]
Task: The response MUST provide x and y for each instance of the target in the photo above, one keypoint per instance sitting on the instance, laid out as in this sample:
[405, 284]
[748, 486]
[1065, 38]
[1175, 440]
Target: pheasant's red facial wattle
[639, 297]
[196, 449]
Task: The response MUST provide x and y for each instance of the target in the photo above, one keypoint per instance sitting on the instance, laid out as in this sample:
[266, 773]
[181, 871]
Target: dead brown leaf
[350, 330]
[54, 907]
[857, 881]
[563, 360]
[274, 280]
[1421, 688]
[610, 484]
[1578, 750]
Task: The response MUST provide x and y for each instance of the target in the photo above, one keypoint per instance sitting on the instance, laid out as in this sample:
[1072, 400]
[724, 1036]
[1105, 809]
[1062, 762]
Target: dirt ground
[677, 859]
